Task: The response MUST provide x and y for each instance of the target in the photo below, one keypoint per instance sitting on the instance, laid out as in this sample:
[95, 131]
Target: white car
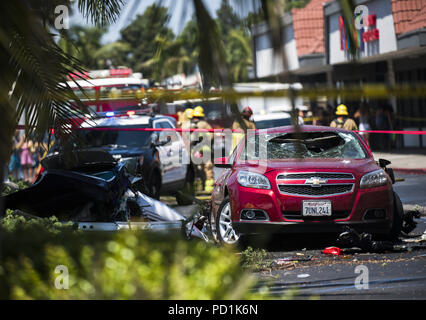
[272, 120]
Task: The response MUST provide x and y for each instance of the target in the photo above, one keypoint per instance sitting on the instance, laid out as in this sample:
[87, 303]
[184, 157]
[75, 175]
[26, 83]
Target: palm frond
[101, 12]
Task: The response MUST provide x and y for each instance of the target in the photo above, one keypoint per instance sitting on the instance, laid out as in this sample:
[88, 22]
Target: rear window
[305, 145]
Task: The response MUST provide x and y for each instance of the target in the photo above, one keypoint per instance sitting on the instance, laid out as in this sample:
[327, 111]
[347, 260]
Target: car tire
[224, 232]
[154, 185]
[185, 196]
[398, 212]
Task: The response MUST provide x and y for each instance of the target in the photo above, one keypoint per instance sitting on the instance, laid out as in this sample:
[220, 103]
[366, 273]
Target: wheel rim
[227, 232]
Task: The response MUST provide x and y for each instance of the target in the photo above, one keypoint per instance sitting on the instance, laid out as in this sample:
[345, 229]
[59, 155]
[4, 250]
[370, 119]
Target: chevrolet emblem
[316, 181]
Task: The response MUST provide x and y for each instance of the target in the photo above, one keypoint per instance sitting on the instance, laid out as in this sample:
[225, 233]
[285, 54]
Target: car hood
[125, 152]
[356, 166]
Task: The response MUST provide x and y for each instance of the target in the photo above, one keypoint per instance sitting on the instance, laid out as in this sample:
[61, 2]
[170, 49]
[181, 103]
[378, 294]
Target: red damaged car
[318, 179]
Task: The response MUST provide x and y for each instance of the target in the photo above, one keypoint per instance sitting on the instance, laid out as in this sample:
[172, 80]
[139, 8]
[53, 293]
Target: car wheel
[154, 185]
[185, 196]
[224, 231]
[398, 212]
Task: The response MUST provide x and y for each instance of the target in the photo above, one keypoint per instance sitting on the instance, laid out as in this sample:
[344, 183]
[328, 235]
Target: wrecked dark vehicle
[94, 190]
[161, 158]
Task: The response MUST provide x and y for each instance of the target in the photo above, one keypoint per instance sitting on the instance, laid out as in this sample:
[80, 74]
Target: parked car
[272, 120]
[317, 180]
[157, 156]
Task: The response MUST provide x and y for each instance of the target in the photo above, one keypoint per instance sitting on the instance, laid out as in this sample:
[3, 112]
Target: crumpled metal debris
[408, 223]
[351, 238]
[98, 194]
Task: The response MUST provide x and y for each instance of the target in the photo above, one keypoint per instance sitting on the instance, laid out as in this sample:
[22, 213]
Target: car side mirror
[222, 163]
[383, 163]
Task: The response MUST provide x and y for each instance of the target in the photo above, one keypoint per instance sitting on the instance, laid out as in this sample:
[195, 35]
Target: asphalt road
[391, 275]
[412, 190]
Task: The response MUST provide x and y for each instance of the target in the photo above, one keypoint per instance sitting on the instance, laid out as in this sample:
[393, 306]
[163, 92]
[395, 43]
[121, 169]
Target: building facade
[391, 49]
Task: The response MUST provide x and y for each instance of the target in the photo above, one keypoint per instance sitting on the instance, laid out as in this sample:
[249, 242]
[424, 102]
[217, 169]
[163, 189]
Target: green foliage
[143, 36]
[227, 19]
[236, 41]
[296, 4]
[116, 53]
[83, 43]
[255, 259]
[21, 222]
[20, 184]
[119, 265]
[149, 46]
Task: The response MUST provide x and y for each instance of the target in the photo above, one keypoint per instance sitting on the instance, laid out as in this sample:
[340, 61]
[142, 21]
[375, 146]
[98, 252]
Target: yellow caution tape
[375, 91]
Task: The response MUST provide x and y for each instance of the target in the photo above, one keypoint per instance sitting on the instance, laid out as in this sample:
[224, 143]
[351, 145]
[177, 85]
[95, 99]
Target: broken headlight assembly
[253, 180]
[373, 179]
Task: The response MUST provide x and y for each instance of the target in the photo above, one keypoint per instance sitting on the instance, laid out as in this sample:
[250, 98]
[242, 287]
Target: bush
[113, 265]
[255, 260]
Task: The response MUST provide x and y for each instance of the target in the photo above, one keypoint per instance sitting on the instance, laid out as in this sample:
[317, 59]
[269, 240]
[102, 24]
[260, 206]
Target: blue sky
[180, 10]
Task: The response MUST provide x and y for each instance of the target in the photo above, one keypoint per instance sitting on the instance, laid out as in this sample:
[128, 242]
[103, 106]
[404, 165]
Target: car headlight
[253, 180]
[374, 179]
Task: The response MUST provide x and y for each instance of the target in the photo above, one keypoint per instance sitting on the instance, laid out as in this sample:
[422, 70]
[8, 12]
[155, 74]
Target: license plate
[316, 208]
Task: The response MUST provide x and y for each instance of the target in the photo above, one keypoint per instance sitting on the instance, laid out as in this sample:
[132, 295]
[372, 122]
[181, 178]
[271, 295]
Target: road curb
[409, 170]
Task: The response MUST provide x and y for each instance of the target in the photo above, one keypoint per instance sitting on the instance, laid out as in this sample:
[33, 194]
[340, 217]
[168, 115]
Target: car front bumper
[267, 227]
[347, 210]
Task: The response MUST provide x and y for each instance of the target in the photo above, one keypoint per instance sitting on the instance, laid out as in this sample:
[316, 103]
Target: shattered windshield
[305, 145]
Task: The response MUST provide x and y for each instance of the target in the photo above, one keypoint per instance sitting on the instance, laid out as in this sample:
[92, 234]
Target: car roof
[271, 116]
[134, 120]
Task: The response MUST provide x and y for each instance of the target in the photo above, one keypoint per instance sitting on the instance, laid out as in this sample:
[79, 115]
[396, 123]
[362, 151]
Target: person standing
[27, 160]
[15, 160]
[237, 136]
[198, 122]
[364, 122]
[246, 115]
[343, 120]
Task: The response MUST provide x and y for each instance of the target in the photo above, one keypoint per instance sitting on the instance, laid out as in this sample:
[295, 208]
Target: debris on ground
[408, 223]
[418, 239]
[352, 239]
[279, 264]
[332, 251]
[297, 259]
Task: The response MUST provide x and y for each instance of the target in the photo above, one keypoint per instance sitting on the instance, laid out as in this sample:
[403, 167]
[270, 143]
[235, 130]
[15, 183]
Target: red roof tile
[408, 15]
[308, 26]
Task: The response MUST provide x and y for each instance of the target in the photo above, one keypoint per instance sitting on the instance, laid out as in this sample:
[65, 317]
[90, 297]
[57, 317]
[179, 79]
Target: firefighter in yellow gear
[342, 120]
[246, 115]
[185, 118]
[198, 122]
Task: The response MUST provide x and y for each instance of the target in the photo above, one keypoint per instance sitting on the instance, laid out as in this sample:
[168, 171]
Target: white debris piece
[156, 210]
